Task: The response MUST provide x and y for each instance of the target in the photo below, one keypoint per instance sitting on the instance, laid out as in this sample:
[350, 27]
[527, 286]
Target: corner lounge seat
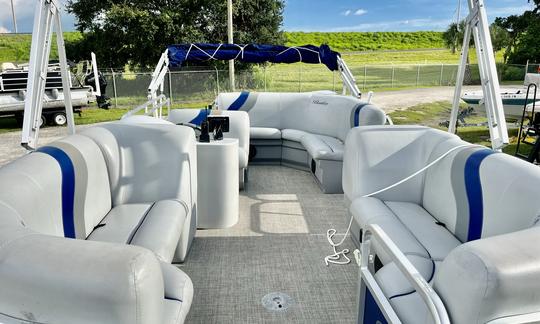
[302, 130]
[467, 224]
[127, 194]
[238, 128]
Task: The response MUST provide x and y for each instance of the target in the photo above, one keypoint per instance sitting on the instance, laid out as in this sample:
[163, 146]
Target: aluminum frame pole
[14, 17]
[231, 41]
[46, 16]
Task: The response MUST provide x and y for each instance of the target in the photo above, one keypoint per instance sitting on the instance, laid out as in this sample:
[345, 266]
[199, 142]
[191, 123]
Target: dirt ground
[388, 100]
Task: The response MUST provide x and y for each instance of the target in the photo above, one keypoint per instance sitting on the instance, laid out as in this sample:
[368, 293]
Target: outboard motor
[103, 100]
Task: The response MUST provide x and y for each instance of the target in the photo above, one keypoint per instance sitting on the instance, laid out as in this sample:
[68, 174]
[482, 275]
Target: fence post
[527, 67]
[217, 80]
[365, 76]
[114, 89]
[300, 78]
[442, 70]
[334, 81]
[170, 87]
[418, 75]
[393, 74]
[264, 77]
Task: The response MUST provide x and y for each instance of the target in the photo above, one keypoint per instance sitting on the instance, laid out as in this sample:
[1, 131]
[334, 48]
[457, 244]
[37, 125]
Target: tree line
[517, 35]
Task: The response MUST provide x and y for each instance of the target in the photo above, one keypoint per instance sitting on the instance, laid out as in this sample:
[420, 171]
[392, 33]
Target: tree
[453, 36]
[136, 32]
[523, 31]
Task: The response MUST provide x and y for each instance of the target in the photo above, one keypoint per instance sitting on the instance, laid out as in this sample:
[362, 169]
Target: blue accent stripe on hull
[240, 101]
[473, 187]
[68, 187]
[203, 113]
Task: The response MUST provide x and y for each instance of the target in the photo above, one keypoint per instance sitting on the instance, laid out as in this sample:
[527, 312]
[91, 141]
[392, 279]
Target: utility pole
[231, 41]
[14, 17]
[457, 22]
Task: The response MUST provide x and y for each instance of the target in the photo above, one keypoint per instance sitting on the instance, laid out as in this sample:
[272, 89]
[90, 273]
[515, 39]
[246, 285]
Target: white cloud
[346, 13]
[402, 25]
[507, 11]
[24, 10]
[4, 30]
[360, 12]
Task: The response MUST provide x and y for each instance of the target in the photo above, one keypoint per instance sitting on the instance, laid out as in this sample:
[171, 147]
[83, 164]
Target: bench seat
[156, 226]
[265, 133]
[443, 219]
[302, 130]
[103, 215]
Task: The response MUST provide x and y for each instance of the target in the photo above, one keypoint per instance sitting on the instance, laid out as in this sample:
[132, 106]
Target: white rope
[337, 255]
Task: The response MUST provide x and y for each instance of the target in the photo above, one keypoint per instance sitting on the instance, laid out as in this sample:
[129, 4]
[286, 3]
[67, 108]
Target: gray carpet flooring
[278, 245]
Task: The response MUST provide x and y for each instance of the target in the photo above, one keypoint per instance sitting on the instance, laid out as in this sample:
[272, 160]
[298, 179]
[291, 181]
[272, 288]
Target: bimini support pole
[47, 16]
[477, 26]
[349, 82]
[158, 76]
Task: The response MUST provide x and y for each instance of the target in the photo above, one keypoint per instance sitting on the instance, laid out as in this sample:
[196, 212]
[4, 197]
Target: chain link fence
[200, 87]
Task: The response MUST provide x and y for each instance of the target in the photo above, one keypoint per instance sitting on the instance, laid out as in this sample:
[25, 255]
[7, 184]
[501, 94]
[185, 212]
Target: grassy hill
[368, 41]
[16, 47]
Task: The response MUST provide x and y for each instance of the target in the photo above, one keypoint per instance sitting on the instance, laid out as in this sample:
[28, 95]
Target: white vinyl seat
[322, 147]
[302, 130]
[139, 224]
[265, 133]
[238, 128]
[444, 219]
[93, 235]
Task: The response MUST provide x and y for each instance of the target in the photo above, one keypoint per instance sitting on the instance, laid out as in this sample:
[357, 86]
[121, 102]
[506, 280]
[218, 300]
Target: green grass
[16, 47]
[432, 114]
[367, 41]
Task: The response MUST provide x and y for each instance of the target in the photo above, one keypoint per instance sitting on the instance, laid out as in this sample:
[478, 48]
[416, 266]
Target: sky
[326, 15]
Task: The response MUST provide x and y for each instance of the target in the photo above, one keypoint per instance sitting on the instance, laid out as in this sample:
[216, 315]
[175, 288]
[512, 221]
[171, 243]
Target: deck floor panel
[278, 245]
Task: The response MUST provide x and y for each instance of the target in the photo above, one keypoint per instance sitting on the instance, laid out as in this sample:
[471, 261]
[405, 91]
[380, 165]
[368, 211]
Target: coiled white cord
[337, 255]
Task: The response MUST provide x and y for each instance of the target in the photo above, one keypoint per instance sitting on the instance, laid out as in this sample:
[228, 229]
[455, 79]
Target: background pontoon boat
[513, 99]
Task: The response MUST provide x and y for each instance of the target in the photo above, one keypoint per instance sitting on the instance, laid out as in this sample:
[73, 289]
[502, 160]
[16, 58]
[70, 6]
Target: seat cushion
[264, 133]
[292, 135]
[156, 226]
[178, 293]
[322, 147]
[411, 228]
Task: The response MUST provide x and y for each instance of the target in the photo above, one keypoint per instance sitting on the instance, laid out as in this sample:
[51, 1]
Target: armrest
[494, 279]
[55, 280]
[378, 156]
[432, 301]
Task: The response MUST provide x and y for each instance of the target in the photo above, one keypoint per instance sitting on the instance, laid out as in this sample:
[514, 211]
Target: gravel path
[387, 100]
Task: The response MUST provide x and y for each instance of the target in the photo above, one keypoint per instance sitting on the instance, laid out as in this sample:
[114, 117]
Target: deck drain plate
[277, 302]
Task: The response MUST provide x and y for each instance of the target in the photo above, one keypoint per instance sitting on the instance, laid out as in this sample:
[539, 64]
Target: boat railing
[153, 107]
[365, 259]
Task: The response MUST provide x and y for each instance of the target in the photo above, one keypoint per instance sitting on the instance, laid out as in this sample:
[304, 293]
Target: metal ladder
[46, 17]
[477, 26]
[531, 129]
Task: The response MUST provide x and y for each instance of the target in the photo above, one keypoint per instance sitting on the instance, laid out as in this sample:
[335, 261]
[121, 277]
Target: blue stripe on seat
[68, 187]
[240, 101]
[473, 187]
[203, 113]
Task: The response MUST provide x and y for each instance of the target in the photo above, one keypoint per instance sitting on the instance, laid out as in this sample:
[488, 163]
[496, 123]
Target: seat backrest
[497, 278]
[238, 127]
[315, 112]
[376, 157]
[92, 194]
[238, 122]
[31, 194]
[263, 107]
[331, 115]
[148, 162]
[478, 193]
